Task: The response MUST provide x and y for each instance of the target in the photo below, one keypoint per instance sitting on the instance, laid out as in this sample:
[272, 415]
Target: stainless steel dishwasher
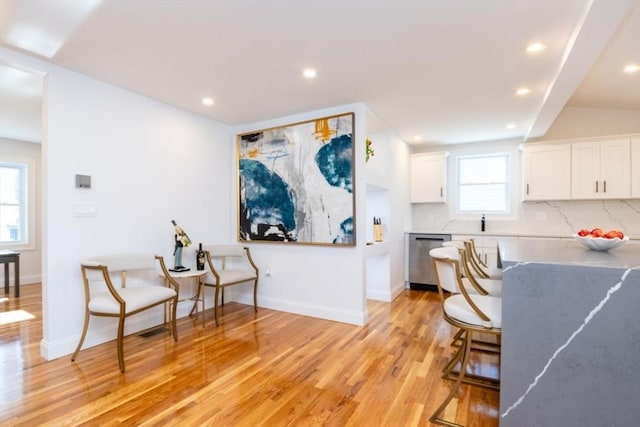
[421, 273]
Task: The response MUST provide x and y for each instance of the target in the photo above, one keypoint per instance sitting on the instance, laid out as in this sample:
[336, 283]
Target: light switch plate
[84, 209]
[83, 181]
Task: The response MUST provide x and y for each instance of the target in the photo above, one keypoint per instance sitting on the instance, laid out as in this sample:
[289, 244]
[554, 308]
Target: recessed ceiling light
[207, 101]
[632, 68]
[511, 126]
[309, 73]
[535, 47]
[523, 91]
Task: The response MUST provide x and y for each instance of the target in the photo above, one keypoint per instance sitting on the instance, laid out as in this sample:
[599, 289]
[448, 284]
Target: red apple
[584, 232]
[614, 234]
[597, 232]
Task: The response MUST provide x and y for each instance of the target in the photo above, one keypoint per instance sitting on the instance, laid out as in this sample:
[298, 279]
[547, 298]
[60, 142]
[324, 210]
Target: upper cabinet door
[635, 167]
[428, 178]
[601, 170]
[585, 170]
[546, 172]
[615, 169]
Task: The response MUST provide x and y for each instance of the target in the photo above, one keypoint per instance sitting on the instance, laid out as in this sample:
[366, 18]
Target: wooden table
[198, 275]
[7, 257]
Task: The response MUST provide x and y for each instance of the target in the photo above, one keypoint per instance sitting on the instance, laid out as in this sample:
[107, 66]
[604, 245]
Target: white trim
[322, 312]
[506, 183]
[31, 234]
[487, 148]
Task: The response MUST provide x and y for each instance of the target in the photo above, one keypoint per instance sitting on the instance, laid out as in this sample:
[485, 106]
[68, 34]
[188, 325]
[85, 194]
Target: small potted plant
[370, 151]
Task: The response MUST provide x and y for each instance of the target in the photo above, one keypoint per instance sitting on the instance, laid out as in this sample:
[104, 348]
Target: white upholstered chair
[109, 294]
[472, 313]
[480, 266]
[228, 265]
[476, 282]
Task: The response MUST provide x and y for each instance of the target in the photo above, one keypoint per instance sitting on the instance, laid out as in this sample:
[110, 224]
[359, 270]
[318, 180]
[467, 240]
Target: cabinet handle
[485, 258]
[440, 191]
[527, 188]
[596, 186]
[605, 185]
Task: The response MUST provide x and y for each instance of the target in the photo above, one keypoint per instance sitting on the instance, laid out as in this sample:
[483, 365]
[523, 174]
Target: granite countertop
[568, 252]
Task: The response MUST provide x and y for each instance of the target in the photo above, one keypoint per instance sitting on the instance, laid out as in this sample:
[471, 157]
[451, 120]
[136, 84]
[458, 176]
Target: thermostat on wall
[83, 181]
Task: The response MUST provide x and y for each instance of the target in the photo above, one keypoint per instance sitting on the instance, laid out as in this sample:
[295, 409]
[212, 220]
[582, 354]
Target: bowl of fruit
[599, 240]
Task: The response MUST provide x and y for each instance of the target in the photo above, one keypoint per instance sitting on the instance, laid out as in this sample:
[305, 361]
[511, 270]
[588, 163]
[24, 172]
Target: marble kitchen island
[571, 334]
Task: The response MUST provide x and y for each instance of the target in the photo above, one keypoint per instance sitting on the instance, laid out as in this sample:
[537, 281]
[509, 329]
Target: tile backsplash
[548, 218]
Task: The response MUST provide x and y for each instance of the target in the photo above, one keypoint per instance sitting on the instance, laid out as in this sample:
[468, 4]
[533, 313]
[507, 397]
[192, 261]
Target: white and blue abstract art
[296, 183]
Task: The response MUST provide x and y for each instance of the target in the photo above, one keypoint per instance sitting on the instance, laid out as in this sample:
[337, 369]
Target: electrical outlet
[268, 272]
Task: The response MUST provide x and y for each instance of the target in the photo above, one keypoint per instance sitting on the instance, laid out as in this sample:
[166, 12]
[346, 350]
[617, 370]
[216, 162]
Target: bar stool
[471, 313]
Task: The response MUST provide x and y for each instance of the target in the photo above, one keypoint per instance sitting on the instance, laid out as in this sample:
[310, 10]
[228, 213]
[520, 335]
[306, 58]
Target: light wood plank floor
[269, 368]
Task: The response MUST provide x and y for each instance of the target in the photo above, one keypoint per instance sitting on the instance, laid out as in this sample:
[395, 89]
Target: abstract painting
[296, 183]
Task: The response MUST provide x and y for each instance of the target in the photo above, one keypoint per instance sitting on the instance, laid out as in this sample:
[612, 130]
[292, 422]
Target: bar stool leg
[454, 389]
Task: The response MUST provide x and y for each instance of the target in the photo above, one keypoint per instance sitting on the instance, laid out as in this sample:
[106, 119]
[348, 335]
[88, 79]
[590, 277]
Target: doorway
[21, 128]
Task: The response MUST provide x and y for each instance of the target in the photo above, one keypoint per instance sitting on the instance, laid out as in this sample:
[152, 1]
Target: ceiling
[436, 72]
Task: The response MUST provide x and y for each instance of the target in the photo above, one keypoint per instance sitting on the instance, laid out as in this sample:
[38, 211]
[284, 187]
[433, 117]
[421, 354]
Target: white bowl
[600, 243]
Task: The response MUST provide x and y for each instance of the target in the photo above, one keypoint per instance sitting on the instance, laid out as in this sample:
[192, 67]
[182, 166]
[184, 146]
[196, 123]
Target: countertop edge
[506, 234]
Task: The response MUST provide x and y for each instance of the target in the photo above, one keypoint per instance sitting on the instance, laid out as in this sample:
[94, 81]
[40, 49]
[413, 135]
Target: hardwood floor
[269, 368]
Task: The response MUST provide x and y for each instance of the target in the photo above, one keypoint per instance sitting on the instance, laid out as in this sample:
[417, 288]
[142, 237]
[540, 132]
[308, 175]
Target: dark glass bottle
[200, 258]
[482, 223]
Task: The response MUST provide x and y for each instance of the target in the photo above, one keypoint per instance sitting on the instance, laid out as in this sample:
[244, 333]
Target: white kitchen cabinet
[546, 172]
[489, 250]
[601, 169]
[635, 167]
[428, 177]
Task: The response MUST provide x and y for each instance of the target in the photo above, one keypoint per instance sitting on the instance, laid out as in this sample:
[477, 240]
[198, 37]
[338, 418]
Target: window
[13, 203]
[483, 184]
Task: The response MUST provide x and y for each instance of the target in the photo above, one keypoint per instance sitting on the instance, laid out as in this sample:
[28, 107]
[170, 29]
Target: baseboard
[321, 312]
[398, 289]
[26, 280]
[378, 295]
[101, 330]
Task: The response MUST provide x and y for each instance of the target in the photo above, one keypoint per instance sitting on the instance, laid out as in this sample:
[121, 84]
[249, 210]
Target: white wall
[149, 163]
[31, 254]
[401, 212]
[575, 122]
[387, 174]
[319, 281]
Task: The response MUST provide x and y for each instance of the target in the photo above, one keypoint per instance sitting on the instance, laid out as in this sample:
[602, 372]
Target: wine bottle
[200, 258]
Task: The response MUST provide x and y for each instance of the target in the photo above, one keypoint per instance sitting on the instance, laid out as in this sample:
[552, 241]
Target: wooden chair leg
[215, 305]
[456, 386]
[82, 336]
[255, 296]
[174, 325]
[120, 344]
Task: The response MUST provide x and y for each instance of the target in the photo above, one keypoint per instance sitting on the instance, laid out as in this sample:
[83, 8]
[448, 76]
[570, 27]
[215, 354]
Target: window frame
[467, 214]
[27, 196]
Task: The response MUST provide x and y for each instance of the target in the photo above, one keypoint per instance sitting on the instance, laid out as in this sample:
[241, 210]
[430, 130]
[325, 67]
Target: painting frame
[296, 183]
